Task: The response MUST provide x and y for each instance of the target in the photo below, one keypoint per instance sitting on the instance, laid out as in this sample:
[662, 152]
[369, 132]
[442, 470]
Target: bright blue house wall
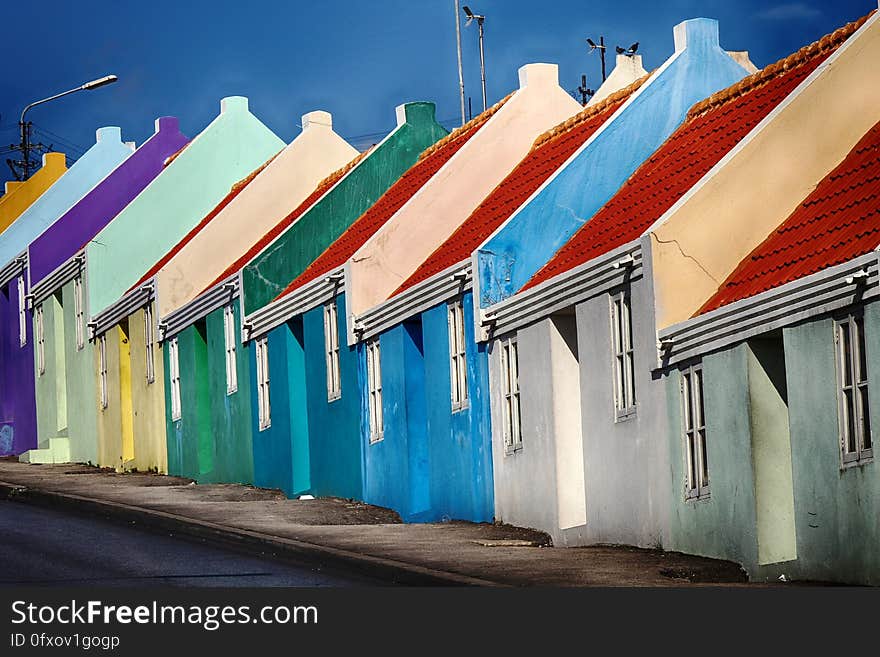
[281, 451]
[432, 464]
[699, 68]
[335, 446]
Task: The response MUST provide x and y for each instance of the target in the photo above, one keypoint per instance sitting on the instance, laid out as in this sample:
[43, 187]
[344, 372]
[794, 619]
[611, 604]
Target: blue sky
[355, 59]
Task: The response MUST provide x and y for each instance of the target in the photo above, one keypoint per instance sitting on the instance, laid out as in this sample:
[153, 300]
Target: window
[79, 313]
[41, 342]
[149, 341]
[265, 417]
[457, 360]
[692, 411]
[512, 421]
[856, 444]
[174, 376]
[374, 386]
[331, 348]
[624, 370]
[229, 339]
[102, 347]
[22, 316]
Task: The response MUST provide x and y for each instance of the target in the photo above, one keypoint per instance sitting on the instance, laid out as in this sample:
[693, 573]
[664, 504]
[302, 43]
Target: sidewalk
[352, 535]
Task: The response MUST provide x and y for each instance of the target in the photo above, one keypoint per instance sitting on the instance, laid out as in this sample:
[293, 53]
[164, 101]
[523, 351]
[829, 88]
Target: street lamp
[25, 128]
[460, 73]
[477, 17]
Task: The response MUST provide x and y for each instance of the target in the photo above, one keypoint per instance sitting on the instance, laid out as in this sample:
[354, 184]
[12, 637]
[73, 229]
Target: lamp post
[477, 17]
[25, 127]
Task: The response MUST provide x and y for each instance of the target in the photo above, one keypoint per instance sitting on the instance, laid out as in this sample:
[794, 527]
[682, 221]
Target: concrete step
[58, 451]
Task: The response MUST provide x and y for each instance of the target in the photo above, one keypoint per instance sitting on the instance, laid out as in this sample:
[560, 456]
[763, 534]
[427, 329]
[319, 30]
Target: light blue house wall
[699, 67]
[432, 463]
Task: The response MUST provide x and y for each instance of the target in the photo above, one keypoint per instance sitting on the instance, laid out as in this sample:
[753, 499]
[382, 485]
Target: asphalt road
[40, 546]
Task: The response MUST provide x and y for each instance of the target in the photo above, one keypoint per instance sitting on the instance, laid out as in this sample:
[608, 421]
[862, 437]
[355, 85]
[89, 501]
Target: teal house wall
[834, 526]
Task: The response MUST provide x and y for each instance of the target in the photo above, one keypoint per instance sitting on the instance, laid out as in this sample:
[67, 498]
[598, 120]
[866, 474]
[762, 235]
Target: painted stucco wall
[584, 184]
[229, 148]
[273, 194]
[18, 416]
[51, 386]
[779, 163]
[433, 464]
[281, 451]
[83, 175]
[112, 447]
[94, 210]
[20, 195]
[836, 510]
[285, 258]
[231, 428]
[626, 71]
[148, 400]
[335, 445]
[444, 202]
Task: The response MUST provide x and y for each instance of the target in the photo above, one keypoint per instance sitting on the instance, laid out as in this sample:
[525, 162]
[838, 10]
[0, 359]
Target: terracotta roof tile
[711, 130]
[838, 221]
[548, 153]
[356, 235]
[235, 191]
[323, 187]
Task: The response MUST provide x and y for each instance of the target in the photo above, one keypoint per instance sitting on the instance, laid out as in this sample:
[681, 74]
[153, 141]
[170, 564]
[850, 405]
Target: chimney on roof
[741, 57]
[169, 123]
[12, 184]
[696, 33]
[131, 145]
[539, 75]
[317, 119]
[109, 133]
[59, 157]
[419, 112]
[236, 103]
[627, 69]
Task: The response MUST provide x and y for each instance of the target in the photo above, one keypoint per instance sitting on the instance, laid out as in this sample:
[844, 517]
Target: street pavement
[43, 546]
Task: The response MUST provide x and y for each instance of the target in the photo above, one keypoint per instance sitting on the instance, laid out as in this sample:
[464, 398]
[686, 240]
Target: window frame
[331, 351]
[511, 425]
[102, 371]
[174, 379]
[622, 355]
[458, 375]
[149, 348]
[694, 434]
[40, 331]
[264, 408]
[79, 313]
[860, 449]
[22, 312]
[374, 391]
[229, 344]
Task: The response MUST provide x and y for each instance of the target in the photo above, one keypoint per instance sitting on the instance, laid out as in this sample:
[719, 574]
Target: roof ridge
[590, 111]
[341, 171]
[480, 118]
[819, 47]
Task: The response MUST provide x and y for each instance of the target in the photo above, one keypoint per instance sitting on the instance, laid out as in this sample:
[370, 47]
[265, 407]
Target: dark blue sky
[356, 59]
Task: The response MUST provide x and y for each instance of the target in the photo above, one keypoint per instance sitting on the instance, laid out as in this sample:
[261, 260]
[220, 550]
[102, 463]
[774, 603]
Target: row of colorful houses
[648, 321]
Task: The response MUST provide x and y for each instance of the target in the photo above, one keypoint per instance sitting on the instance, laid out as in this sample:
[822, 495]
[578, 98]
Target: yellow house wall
[701, 239]
[19, 196]
[148, 402]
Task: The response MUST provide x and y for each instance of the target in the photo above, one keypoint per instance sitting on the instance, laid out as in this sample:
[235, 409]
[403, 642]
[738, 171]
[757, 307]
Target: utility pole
[584, 91]
[479, 18]
[460, 72]
[601, 48]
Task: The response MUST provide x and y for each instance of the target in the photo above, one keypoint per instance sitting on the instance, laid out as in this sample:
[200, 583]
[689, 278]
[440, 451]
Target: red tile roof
[235, 191]
[548, 153]
[323, 187]
[391, 201]
[710, 131]
[838, 221]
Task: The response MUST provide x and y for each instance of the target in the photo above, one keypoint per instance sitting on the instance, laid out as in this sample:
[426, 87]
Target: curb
[391, 570]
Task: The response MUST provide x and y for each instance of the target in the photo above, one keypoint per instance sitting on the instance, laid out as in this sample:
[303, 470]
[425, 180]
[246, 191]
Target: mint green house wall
[51, 385]
[779, 501]
[285, 258]
[228, 149]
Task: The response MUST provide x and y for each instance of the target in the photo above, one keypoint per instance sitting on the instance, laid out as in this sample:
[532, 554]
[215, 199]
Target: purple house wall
[55, 247]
